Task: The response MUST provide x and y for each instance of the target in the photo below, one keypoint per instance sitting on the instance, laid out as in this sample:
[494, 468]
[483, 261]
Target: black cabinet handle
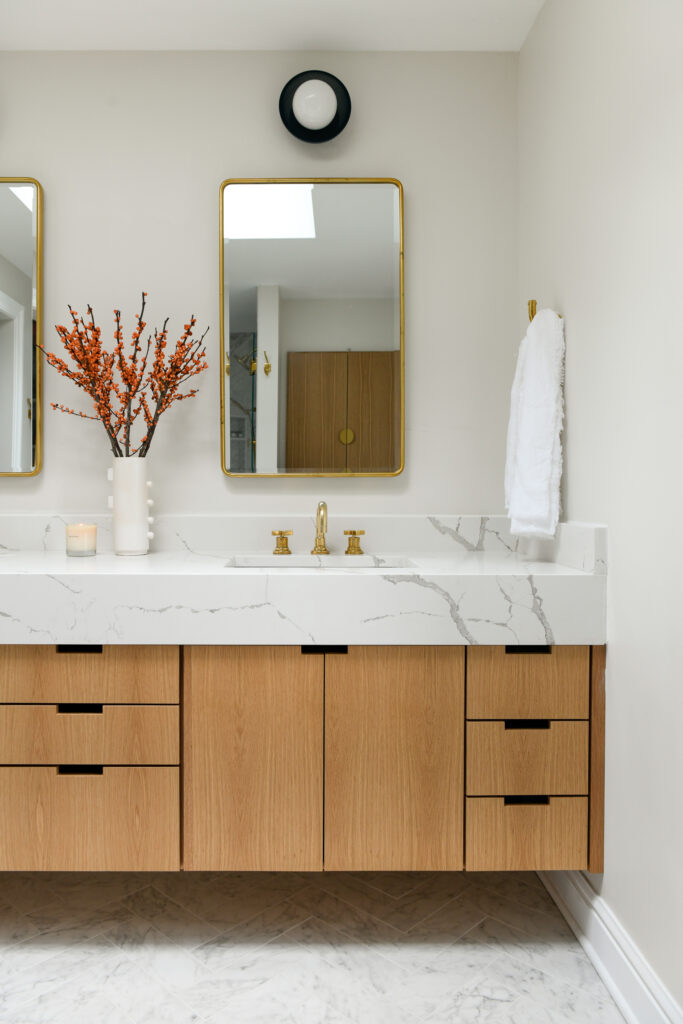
[80, 709]
[510, 801]
[80, 769]
[528, 649]
[324, 649]
[79, 648]
[527, 723]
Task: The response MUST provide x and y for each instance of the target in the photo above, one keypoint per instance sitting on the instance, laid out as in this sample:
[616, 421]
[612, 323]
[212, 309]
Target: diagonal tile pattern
[370, 948]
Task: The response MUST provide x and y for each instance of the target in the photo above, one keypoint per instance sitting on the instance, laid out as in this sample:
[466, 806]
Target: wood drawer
[521, 684]
[108, 675]
[526, 837]
[126, 819]
[527, 760]
[121, 734]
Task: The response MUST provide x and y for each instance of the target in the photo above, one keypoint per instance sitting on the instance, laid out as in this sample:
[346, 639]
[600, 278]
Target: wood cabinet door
[374, 412]
[394, 759]
[253, 759]
[316, 411]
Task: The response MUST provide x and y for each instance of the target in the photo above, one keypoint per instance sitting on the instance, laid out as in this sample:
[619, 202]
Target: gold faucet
[320, 547]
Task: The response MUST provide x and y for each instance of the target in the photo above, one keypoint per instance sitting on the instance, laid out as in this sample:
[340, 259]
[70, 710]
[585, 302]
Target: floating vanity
[438, 708]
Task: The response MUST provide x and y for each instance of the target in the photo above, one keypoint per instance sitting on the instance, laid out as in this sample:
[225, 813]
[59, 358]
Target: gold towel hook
[532, 309]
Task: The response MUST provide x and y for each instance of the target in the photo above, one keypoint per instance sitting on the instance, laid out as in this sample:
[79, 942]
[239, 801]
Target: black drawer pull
[79, 648]
[528, 649]
[527, 723]
[324, 649]
[512, 800]
[80, 769]
[80, 709]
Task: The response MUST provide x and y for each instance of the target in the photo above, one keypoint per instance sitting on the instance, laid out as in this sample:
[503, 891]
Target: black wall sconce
[315, 106]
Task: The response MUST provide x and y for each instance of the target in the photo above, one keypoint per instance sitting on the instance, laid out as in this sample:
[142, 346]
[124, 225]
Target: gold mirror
[21, 203]
[311, 281]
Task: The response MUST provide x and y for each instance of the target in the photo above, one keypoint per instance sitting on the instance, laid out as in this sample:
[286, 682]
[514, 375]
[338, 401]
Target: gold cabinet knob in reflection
[354, 547]
[281, 542]
[347, 436]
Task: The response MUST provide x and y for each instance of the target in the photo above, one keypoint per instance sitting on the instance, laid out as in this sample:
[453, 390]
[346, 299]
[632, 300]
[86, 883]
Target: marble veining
[469, 582]
[366, 948]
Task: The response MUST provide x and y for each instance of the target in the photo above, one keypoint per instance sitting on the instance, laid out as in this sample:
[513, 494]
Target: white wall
[601, 225]
[335, 325]
[131, 149]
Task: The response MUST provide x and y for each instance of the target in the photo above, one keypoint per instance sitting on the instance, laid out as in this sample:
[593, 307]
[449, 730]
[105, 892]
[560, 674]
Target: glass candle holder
[81, 539]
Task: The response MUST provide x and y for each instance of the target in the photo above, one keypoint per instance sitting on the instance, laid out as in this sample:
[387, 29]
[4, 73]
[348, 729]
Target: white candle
[81, 539]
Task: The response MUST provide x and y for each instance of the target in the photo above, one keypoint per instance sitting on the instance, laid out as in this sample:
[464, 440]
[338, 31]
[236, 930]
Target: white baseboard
[635, 988]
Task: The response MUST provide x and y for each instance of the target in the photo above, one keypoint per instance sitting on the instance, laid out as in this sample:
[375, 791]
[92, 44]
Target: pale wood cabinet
[112, 819]
[123, 674]
[394, 759]
[266, 727]
[534, 784]
[368, 758]
[253, 759]
[89, 758]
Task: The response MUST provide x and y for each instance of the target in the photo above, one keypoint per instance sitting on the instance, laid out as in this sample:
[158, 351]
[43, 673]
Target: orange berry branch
[124, 386]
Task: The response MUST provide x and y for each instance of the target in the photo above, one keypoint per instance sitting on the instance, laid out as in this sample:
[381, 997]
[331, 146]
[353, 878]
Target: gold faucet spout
[320, 547]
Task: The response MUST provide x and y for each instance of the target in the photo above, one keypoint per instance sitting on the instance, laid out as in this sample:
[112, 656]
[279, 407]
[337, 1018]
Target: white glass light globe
[314, 104]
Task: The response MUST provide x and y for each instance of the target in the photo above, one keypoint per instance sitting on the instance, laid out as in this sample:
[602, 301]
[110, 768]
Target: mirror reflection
[20, 207]
[312, 327]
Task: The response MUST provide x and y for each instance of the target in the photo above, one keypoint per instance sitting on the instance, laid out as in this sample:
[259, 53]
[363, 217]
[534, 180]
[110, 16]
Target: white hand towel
[534, 452]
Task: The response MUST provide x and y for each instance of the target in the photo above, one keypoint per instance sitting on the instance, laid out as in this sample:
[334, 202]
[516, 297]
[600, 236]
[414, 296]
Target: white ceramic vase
[131, 505]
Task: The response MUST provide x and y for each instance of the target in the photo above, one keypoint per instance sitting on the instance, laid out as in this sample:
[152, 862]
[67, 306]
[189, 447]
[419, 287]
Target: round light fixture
[315, 106]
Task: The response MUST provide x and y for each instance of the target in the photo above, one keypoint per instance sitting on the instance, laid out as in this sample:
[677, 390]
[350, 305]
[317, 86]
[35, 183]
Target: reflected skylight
[269, 211]
[25, 194]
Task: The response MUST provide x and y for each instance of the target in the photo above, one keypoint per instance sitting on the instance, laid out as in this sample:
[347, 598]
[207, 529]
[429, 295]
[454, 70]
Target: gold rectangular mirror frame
[33, 410]
[360, 364]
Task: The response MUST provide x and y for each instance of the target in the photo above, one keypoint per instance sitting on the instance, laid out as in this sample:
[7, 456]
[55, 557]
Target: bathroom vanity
[181, 711]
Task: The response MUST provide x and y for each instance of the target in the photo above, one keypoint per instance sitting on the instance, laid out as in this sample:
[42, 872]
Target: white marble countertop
[474, 587]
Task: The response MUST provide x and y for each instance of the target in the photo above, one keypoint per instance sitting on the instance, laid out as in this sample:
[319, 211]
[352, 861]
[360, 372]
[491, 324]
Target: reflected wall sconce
[315, 106]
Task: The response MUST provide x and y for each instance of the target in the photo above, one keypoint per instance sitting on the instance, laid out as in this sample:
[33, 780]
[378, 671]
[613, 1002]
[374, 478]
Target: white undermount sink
[320, 562]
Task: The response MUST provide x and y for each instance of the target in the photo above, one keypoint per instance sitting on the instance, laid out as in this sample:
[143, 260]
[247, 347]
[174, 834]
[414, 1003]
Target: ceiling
[266, 24]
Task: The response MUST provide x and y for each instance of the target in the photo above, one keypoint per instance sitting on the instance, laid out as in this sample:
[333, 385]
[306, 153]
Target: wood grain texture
[372, 412]
[526, 837]
[504, 761]
[126, 819]
[394, 759]
[596, 825]
[253, 759]
[554, 685]
[316, 411]
[121, 734]
[119, 675]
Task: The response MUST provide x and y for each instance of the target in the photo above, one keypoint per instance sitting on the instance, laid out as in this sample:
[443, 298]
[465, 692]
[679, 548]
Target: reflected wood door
[394, 759]
[374, 412]
[316, 411]
[253, 765]
[328, 392]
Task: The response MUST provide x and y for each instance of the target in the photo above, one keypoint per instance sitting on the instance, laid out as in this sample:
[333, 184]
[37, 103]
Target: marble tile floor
[372, 948]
